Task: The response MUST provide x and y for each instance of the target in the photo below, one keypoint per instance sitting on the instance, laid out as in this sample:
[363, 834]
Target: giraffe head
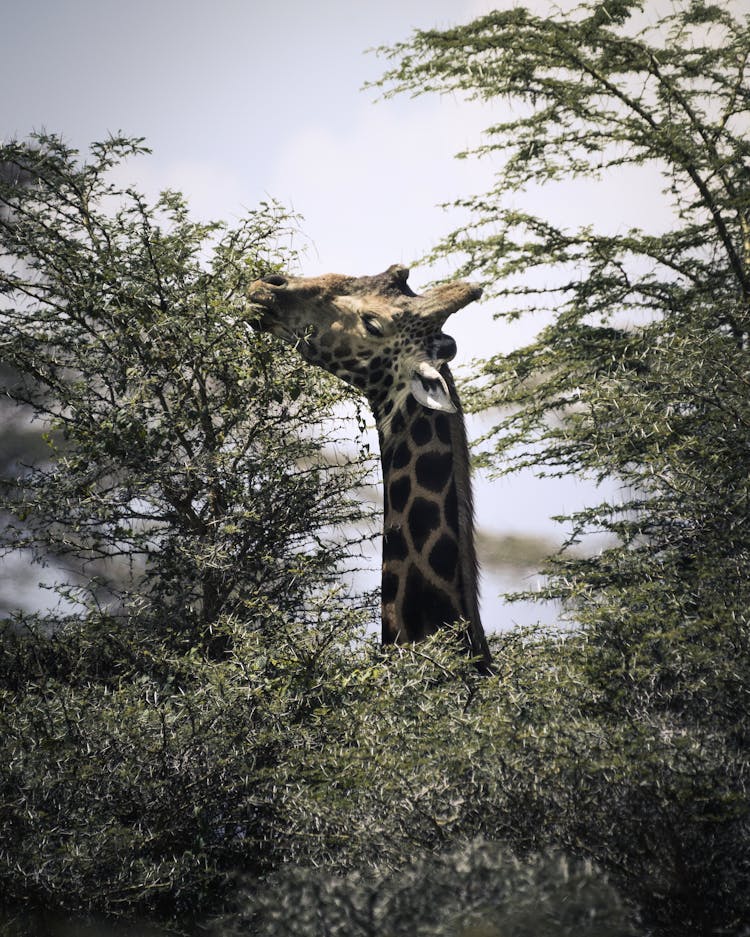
[372, 332]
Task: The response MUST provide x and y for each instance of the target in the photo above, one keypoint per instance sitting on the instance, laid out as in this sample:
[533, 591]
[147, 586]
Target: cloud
[212, 190]
[370, 191]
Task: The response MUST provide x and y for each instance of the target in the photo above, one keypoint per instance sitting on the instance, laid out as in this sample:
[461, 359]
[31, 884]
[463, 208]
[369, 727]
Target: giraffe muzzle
[441, 348]
[264, 300]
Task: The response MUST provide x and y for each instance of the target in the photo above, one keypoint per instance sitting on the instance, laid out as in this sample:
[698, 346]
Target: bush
[424, 755]
[187, 502]
[481, 890]
[138, 779]
[185, 476]
[135, 778]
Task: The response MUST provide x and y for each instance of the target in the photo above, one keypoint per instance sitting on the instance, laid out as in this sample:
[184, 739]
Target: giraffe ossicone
[377, 335]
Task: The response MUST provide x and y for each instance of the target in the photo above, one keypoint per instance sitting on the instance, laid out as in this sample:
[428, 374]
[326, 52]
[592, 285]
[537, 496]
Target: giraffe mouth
[430, 389]
[263, 301]
[268, 321]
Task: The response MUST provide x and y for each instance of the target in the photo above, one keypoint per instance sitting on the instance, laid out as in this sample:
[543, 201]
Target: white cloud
[212, 190]
[369, 191]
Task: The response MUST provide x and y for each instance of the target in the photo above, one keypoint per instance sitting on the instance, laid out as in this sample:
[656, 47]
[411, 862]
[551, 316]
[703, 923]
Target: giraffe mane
[467, 555]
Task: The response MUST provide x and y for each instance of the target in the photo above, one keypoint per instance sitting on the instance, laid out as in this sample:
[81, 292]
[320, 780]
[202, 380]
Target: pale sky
[242, 100]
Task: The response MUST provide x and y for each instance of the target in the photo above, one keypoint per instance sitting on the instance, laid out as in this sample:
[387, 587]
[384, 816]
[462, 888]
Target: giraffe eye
[373, 326]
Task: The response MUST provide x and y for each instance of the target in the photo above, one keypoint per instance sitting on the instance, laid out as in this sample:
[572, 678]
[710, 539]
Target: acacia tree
[186, 501]
[660, 404]
[663, 406]
[181, 481]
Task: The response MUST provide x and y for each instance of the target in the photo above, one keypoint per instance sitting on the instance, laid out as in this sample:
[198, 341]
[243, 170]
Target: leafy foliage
[426, 755]
[136, 778]
[641, 376]
[479, 891]
[187, 499]
[179, 439]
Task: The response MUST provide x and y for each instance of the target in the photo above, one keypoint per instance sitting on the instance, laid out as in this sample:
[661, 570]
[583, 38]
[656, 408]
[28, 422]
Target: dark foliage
[640, 376]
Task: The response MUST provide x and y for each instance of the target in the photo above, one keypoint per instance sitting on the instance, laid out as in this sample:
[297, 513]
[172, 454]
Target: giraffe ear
[430, 389]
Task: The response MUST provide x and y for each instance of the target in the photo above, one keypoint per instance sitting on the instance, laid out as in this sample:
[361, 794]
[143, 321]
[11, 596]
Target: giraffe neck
[429, 560]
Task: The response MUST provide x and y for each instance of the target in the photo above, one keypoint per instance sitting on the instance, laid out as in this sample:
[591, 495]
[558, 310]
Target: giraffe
[376, 334]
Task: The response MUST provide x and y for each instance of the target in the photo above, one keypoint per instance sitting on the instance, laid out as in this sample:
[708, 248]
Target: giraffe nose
[443, 347]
